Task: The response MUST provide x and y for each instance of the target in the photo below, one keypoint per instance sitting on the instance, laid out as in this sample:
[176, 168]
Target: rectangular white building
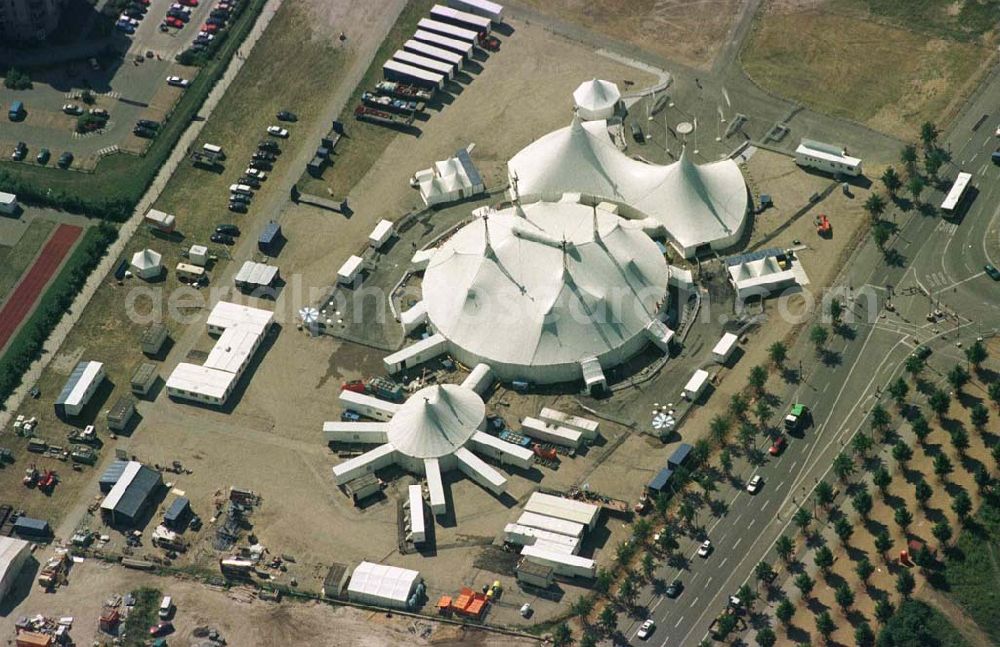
[491, 10]
[225, 314]
[724, 348]
[528, 536]
[13, 555]
[437, 53]
[81, 385]
[827, 157]
[381, 585]
[464, 48]
[566, 565]
[555, 434]
[563, 508]
[350, 271]
[696, 385]
[585, 426]
[381, 234]
[418, 530]
[447, 70]
[8, 203]
[367, 405]
[551, 524]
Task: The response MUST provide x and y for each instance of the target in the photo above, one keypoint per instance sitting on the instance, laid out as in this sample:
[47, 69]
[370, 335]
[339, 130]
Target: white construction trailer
[403, 73]
[724, 348]
[446, 70]
[418, 529]
[695, 386]
[563, 508]
[480, 379]
[563, 564]
[461, 47]
[527, 536]
[554, 434]
[414, 354]
[368, 406]
[551, 524]
[491, 10]
[437, 53]
[827, 157]
[479, 24]
[381, 234]
[451, 31]
[585, 426]
[366, 433]
[350, 271]
[502, 451]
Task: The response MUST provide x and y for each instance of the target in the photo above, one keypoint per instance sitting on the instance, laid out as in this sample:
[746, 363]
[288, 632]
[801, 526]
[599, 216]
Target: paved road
[943, 258]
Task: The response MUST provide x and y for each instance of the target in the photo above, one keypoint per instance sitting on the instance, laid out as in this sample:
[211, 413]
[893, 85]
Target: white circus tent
[596, 99]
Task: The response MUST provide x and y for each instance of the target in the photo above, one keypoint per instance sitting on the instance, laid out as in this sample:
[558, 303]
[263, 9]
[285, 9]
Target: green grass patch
[26, 346]
[143, 616]
[964, 20]
[365, 142]
[973, 570]
[15, 260]
[113, 189]
[915, 624]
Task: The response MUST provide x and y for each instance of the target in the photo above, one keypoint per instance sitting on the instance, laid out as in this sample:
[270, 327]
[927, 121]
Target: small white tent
[146, 264]
[596, 99]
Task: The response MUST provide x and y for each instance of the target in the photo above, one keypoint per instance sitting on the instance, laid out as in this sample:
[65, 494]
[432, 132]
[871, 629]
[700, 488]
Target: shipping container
[563, 436]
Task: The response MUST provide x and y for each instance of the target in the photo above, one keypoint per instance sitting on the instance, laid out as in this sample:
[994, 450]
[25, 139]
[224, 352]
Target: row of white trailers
[442, 43]
[550, 532]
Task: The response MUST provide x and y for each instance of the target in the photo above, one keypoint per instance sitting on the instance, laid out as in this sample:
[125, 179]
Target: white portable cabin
[462, 47]
[463, 19]
[491, 10]
[403, 73]
[437, 53]
[418, 353]
[157, 219]
[350, 271]
[827, 157]
[8, 203]
[83, 382]
[480, 379]
[554, 434]
[563, 508]
[696, 385]
[189, 272]
[446, 70]
[379, 458]
[198, 255]
[339, 431]
[368, 406]
[501, 451]
[435, 487]
[586, 427]
[563, 564]
[418, 529]
[724, 348]
[527, 536]
[659, 334]
[381, 234]
[593, 375]
[451, 31]
[478, 470]
[14, 553]
[551, 524]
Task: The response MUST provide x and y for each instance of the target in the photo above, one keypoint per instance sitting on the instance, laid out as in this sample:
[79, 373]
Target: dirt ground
[239, 617]
[689, 32]
[907, 77]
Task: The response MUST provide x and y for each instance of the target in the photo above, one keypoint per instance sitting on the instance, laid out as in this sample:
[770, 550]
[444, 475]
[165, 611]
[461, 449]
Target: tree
[942, 466]
[920, 429]
[687, 511]
[958, 377]
[903, 517]
[603, 581]
[891, 181]
[863, 635]
[804, 584]
[982, 478]
[942, 532]
[904, 583]
[995, 453]
[916, 186]
[861, 444]
[883, 542]
[588, 639]
[875, 206]
[864, 570]
[883, 610]
[899, 389]
[825, 625]
[881, 478]
[763, 572]
[738, 406]
[928, 134]
[923, 492]
[939, 402]
[582, 606]
[880, 233]
[914, 365]
[784, 547]
[641, 529]
[994, 393]
[924, 558]
[763, 411]
[959, 440]
[844, 529]
[979, 415]
[976, 354]
[818, 336]
[666, 541]
[778, 353]
[785, 611]
[908, 156]
[758, 379]
[823, 494]
[880, 420]
[561, 635]
[802, 519]
[843, 467]
[862, 503]
[624, 552]
[824, 559]
[608, 619]
[844, 597]
[746, 596]
[648, 565]
[961, 505]
[902, 452]
[719, 429]
[726, 461]
[766, 638]
[933, 161]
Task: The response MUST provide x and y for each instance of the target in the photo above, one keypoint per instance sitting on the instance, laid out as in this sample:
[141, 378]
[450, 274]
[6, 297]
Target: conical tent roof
[146, 259]
[436, 421]
[596, 97]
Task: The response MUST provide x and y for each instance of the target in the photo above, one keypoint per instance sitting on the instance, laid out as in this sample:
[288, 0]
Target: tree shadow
[830, 358]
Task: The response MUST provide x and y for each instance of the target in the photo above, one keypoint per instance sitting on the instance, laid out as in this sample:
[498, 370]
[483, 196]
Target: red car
[174, 22]
[778, 446]
[161, 629]
[190, 3]
[210, 28]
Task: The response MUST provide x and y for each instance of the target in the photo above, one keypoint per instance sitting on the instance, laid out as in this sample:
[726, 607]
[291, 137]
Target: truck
[796, 417]
[83, 454]
[372, 115]
[54, 572]
[380, 387]
[392, 104]
[403, 91]
[88, 436]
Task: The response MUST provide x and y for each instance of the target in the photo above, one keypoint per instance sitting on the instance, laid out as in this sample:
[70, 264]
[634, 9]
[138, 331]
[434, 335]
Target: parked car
[217, 21]
[161, 629]
[178, 17]
[992, 272]
[705, 548]
[256, 173]
[100, 112]
[646, 629]
[173, 21]
[43, 156]
[145, 133]
[222, 239]
[209, 28]
[226, 228]
[778, 446]
[755, 484]
[178, 82]
[72, 109]
[250, 181]
[147, 123]
[277, 131]
[20, 151]
[125, 26]
[262, 165]
[180, 8]
[237, 207]
[269, 145]
[189, 3]
[263, 155]
[65, 159]
[285, 115]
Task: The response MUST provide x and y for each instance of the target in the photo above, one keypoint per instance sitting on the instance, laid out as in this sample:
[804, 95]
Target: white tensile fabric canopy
[694, 204]
[436, 420]
[596, 99]
[532, 292]
[146, 263]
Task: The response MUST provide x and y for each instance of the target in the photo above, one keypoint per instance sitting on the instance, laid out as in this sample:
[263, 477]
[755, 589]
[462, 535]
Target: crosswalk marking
[948, 228]
[937, 280]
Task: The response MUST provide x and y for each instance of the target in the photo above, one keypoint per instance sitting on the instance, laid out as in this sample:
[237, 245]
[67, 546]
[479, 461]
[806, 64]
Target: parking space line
[695, 601]
[737, 543]
[766, 503]
[752, 522]
[679, 622]
[724, 561]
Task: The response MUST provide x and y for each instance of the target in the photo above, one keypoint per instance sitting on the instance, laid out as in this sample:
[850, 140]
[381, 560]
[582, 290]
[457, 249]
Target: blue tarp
[680, 455]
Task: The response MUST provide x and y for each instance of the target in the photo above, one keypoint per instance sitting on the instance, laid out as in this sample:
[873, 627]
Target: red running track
[23, 299]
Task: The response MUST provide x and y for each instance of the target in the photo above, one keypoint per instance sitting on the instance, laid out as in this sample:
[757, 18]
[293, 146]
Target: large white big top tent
[536, 292]
[693, 205]
[596, 99]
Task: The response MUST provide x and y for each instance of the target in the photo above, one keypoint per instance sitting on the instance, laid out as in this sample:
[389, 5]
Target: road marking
[768, 502]
[694, 602]
[679, 622]
[958, 283]
[709, 581]
[737, 543]
[724, 562]
[792, 469]
[752, 522]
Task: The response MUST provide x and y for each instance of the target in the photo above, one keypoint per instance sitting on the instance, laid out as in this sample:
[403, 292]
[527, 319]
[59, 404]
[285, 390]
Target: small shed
[8, 203]
[661, 481]
[383, 231]
[270, 238]
[121, 412]
[350, 271]
[535, 574]
[147, 264]
[131, 494]
[79, 388]
[143, 378]
[198, 255]
[153, 338]
[362, 487]
[253, 275]
[335, 581]
[177, 513]
[160, 221]
[316, 166]
[680, 455]
[695, 386]
[28, 527]
[724, 348]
